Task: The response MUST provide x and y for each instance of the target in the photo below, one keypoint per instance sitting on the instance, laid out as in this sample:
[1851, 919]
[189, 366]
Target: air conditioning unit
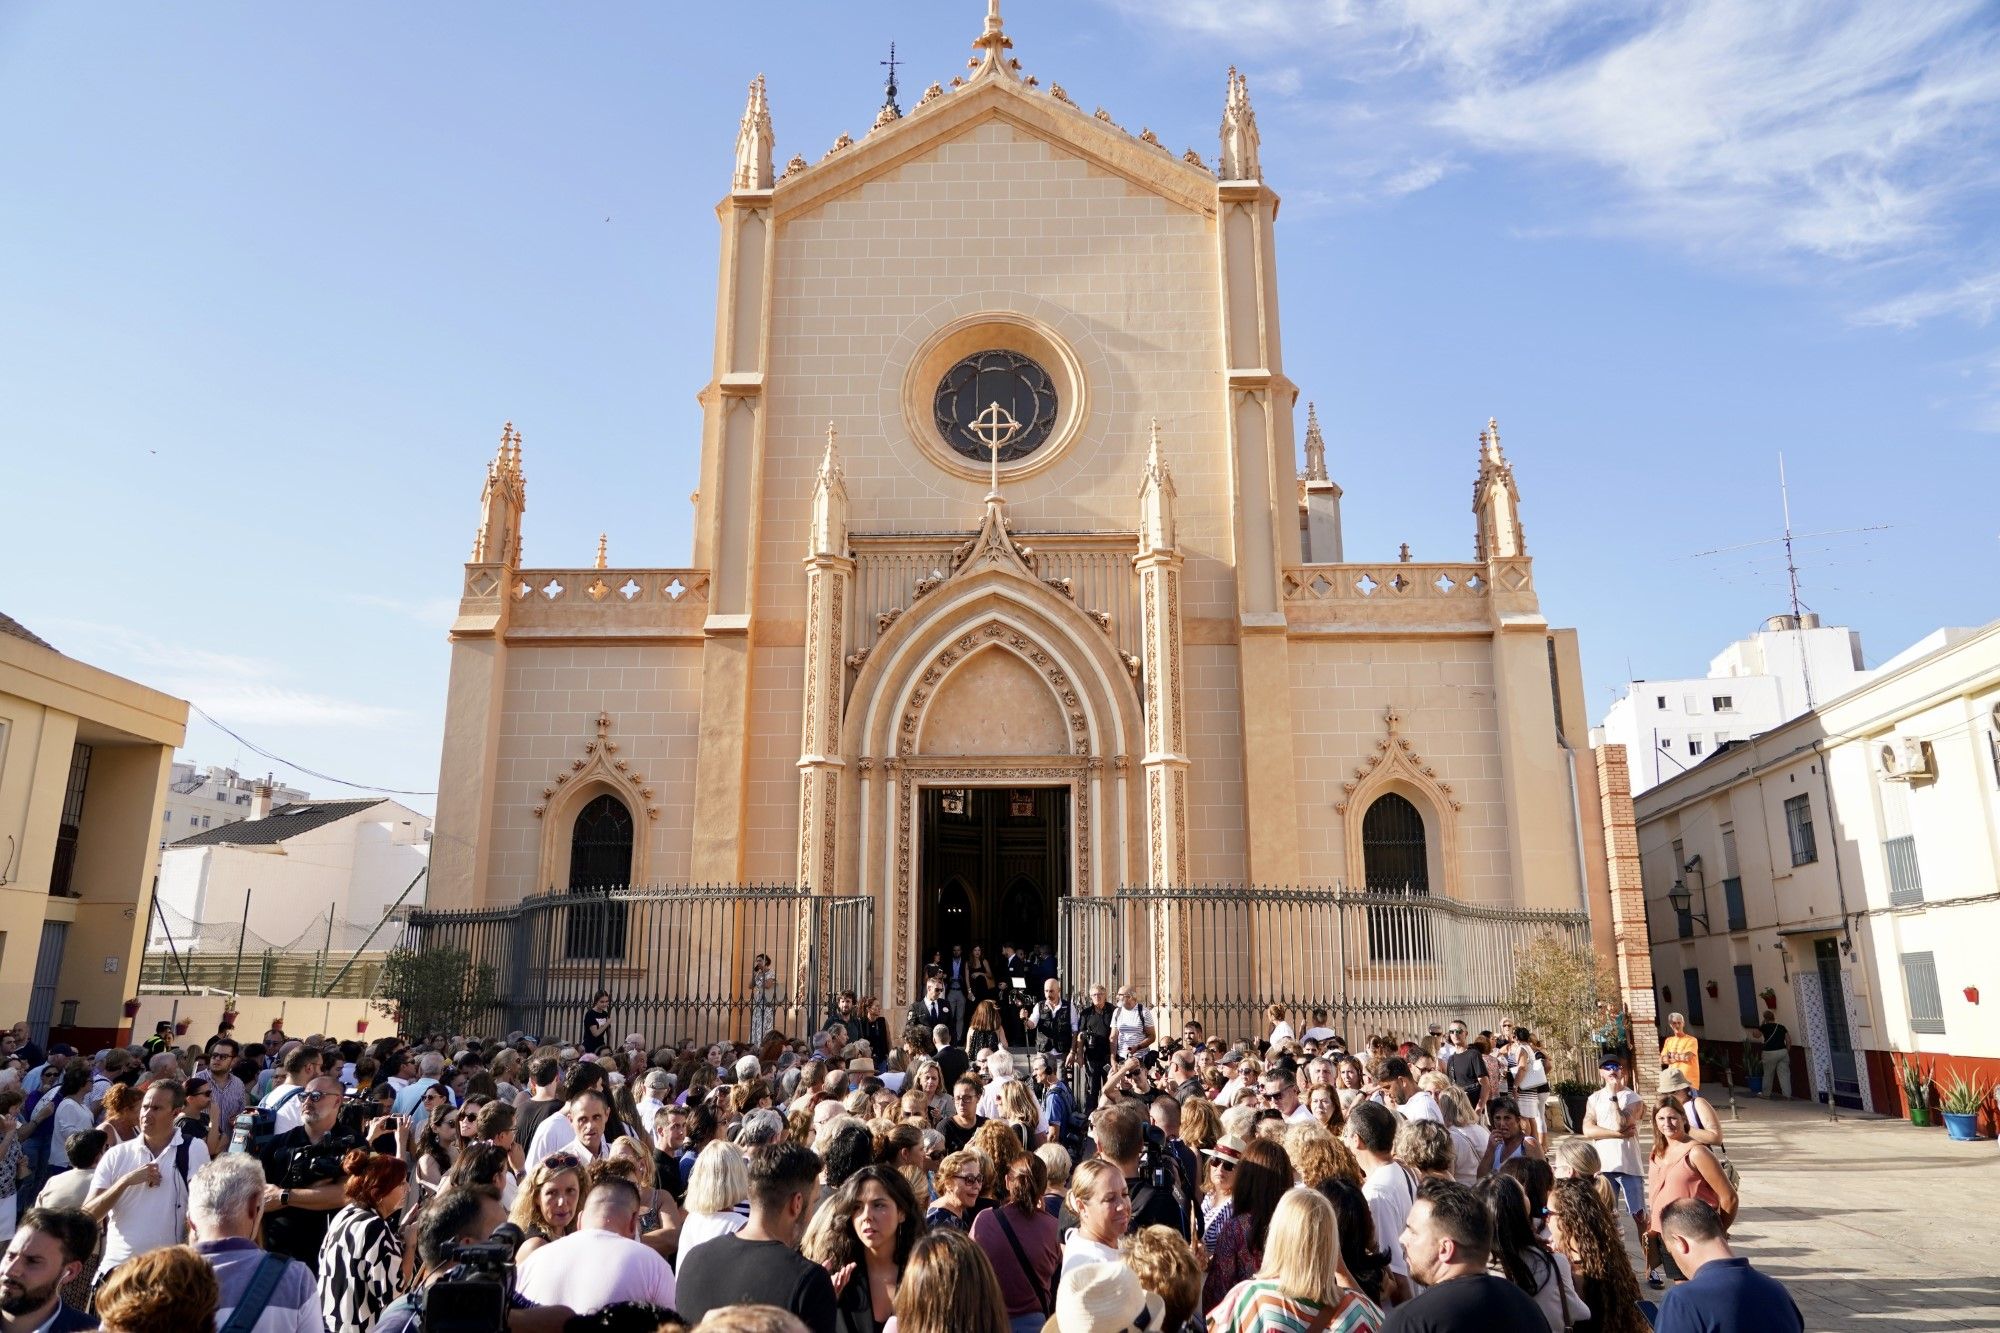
[1905, 759]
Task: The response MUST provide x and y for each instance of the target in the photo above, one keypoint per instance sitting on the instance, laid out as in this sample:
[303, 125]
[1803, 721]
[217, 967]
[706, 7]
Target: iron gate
[1375, 962]
[677, 961]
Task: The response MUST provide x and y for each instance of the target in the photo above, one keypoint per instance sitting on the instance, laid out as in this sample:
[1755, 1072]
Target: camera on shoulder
[476, 1289]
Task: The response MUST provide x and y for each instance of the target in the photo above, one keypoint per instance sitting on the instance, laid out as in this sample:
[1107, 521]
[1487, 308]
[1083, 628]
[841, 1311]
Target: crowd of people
[990, 1166]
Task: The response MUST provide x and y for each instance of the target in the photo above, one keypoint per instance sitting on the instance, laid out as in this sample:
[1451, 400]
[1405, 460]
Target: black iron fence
[678, 961]
[1375, 962]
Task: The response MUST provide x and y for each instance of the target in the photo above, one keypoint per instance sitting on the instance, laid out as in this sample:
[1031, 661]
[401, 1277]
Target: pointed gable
[1028, 113]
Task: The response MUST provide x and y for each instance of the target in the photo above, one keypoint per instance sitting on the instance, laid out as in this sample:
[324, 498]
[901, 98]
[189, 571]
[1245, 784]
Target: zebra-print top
[359, 1264]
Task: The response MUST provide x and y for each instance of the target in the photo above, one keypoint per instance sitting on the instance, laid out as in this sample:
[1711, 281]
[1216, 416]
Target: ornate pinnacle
[1315, 446]
[829, 463]
[993, 44]
[603, 550]
[754, 142]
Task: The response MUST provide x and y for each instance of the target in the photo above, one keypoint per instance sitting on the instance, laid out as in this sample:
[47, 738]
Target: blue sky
[272, 277]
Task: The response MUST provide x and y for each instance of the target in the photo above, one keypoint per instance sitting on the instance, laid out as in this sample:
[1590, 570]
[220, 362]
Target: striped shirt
[1259, 1306]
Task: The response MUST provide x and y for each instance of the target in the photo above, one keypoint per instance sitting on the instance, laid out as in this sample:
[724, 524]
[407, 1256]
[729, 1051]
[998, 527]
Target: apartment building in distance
[1790, 663]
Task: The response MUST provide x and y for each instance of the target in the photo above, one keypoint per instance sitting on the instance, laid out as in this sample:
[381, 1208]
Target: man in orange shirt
[1681, 1051]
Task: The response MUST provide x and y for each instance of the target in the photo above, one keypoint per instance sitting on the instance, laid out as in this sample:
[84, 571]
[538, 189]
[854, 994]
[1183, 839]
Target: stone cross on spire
[1315, 446]
[754, 142]
[1239, 133]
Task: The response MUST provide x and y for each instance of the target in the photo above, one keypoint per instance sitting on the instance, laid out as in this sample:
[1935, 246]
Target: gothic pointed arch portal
[908, 724]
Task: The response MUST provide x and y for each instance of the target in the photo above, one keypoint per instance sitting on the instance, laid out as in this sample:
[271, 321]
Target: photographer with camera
[467, 1271]
[304, 1168]
[1139, 1151]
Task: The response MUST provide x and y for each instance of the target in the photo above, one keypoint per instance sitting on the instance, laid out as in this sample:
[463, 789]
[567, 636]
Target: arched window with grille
[1396, 860]
[600, 861]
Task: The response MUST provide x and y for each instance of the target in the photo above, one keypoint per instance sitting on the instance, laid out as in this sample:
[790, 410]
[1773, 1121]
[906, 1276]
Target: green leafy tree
[435, 990]
[1558, 980]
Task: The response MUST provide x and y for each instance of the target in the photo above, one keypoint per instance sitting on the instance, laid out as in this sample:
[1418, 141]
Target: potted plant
[1915, 1077]
[1574, 1094]
[1962, 1101]
[1769, 997]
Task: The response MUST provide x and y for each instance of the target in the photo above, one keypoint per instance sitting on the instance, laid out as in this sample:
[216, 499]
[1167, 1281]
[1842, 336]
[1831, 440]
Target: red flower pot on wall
[181, 1028]
[1972, 995]
[360, 1025]
[1713, 990]
[131, 1008]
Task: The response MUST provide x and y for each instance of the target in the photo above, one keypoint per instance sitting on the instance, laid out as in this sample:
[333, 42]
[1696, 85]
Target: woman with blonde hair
[949, 1286]
[546, 1207]
[927, 1077]
[1317, 1156]
[718, 1196]
[1018, 1111]
[1103, 1208]
[166, 1288]
[1297, 1286]
[1574, 1158]
[1468, 1136]
[1056, 1159]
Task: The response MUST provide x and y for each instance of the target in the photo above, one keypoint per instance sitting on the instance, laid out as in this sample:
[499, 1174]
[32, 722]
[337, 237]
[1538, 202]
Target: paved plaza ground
[1872, 1223]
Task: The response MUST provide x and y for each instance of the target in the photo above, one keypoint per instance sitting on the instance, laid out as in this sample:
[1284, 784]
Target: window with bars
[1799, 825]
[63, 871]
[1920, 983]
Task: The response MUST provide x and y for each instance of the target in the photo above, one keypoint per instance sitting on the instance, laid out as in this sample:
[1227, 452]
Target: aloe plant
[1915, 1077]
[1960, 1097]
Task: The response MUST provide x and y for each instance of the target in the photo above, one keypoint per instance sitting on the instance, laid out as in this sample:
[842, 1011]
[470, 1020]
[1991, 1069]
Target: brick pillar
[1628, 914]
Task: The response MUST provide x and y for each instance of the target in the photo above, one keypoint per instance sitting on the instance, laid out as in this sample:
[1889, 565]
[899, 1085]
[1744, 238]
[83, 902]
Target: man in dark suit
[933, 1010]
[50, 1248]
[952, 1060]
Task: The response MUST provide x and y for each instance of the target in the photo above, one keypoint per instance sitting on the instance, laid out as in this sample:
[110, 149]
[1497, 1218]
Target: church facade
[1007, 583]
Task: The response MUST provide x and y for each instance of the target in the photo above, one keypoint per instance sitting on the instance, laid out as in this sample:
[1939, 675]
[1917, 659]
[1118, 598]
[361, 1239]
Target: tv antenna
[1789, 540]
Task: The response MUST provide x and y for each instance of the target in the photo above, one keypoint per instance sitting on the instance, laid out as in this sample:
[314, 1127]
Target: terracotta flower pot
[131, 1008]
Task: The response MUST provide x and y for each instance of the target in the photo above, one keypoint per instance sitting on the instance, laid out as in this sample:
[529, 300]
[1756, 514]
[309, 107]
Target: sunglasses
[1223, 1165]
[562, 1161]
[315, 1096]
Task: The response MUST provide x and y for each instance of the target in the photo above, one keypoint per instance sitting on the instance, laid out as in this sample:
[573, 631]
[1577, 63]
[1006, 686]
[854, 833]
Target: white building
[1669, 726]
[202, 798]
[1848, 862]
[297, 864]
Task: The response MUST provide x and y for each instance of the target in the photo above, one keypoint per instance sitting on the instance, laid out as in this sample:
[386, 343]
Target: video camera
[1154, 1167]
[475, 1292]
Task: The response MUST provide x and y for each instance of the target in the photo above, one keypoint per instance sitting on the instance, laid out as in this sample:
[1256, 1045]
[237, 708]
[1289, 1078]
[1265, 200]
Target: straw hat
[1229, 1148]
[1105, 1298]
[1673, 1080]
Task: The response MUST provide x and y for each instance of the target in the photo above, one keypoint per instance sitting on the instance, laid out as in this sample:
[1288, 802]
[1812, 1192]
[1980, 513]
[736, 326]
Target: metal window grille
[63, 871]
[1396, 856]
[600, 860]
[1920, 982]
[1906, 880]
[1798, 824]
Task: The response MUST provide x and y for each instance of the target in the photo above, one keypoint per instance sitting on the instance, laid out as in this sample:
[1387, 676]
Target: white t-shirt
[1128, 1029]
[1467, 1143]
[590, 1269]
[70, 1116]
[292, 1114]
[1422, 1106]
[1391, 1189]
[146, 1217]
[698, 1227]
[1317, 1034]
[555, 1134]
[1606, 1111]
[1080, 1249]
[1281, 1031]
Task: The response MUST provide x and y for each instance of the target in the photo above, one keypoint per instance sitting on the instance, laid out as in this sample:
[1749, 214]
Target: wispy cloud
[1779, 131]
[235, 688]
[435, 612]
[1976, 299]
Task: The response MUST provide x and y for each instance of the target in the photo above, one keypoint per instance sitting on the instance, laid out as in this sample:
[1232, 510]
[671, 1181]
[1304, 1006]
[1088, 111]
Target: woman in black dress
[983, 1032]
[981, 979]
[597, 1024]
